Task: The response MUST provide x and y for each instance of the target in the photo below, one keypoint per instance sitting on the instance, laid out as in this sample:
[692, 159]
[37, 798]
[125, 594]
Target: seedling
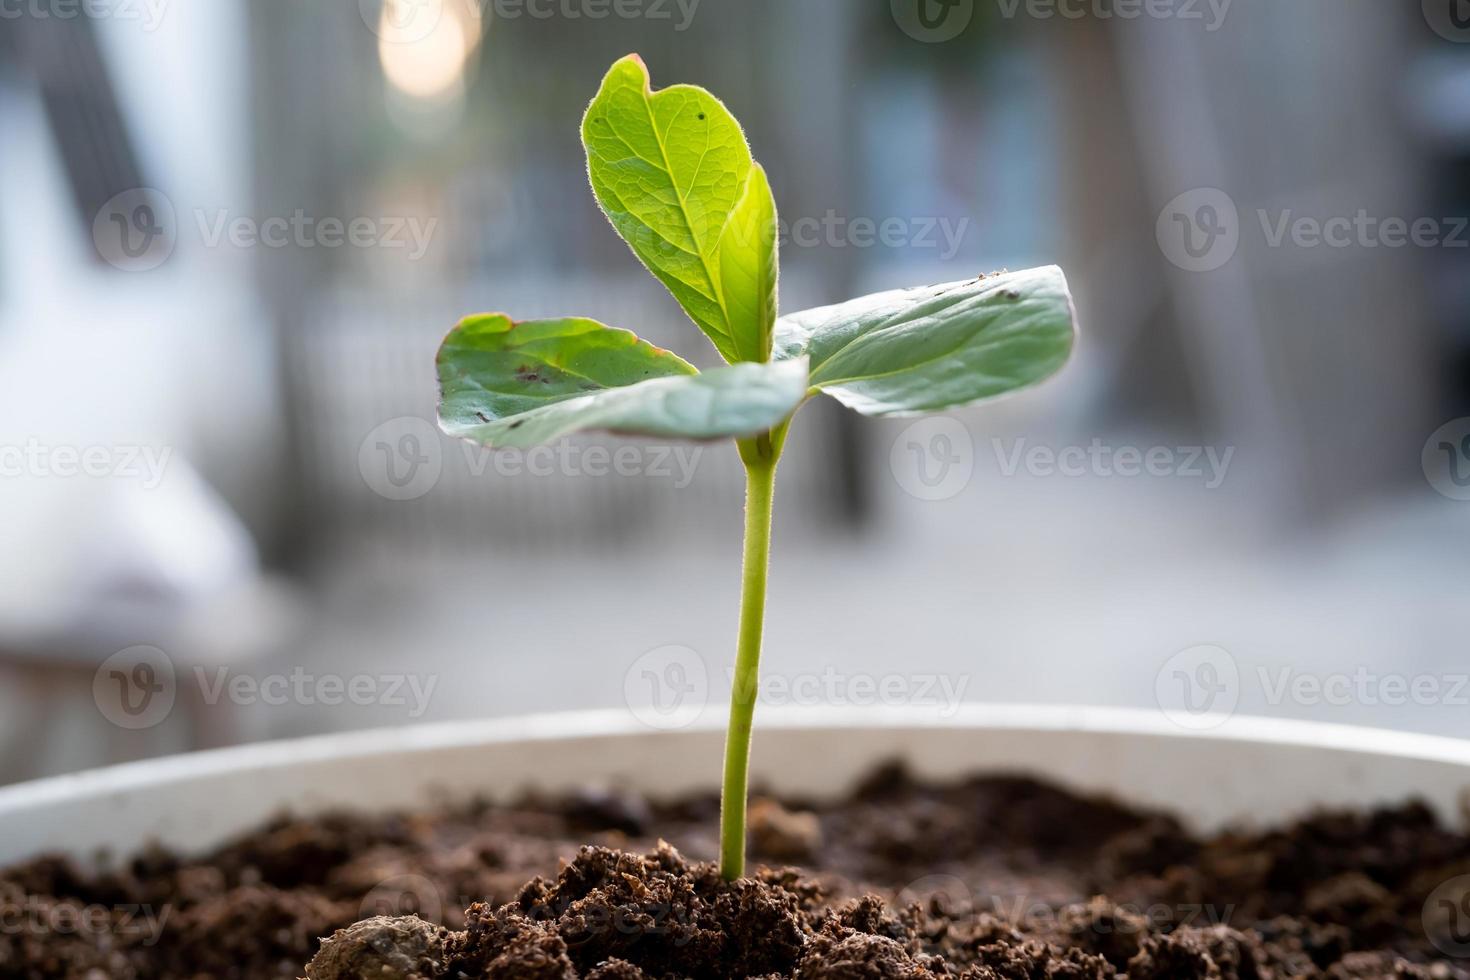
[674, 174]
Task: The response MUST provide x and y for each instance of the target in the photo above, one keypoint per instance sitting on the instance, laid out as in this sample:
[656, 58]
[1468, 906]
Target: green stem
[760, 456]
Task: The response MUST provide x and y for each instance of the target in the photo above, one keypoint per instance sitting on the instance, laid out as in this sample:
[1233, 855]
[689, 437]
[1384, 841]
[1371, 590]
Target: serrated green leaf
[506, 384]
[672, 171]
[911, 351]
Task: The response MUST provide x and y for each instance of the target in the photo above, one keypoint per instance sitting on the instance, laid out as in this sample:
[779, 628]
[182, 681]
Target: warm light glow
[426, 62]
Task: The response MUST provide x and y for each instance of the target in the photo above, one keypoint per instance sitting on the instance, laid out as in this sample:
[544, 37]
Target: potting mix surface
[991, 879]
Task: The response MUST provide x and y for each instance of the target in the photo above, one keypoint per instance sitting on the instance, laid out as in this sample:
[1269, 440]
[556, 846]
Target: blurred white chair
[95, 566]
[175, 360]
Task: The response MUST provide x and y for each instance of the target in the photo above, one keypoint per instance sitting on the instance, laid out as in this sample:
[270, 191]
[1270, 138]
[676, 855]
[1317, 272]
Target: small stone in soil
[783, 835]
[406, 948]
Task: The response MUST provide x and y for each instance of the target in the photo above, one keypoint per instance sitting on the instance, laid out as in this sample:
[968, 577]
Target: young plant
[674, 174]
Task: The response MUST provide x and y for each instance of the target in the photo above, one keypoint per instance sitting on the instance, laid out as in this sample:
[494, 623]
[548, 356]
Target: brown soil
[992, 879]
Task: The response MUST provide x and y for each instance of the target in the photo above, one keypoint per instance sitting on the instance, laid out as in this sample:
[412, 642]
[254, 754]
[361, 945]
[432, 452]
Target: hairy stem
[760, 456]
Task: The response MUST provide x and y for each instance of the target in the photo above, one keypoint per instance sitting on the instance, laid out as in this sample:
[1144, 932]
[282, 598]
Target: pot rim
[430, 737]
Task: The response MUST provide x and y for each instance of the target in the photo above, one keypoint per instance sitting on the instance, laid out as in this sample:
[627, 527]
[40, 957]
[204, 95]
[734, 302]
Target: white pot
[1248, 770]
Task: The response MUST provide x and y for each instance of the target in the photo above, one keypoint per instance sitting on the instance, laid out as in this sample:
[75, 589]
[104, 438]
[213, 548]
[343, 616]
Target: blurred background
[232, 234]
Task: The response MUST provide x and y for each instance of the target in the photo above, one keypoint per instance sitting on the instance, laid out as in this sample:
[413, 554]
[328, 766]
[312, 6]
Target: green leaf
[748, 269]
[911, 351]
[507, 384]
[672, 171]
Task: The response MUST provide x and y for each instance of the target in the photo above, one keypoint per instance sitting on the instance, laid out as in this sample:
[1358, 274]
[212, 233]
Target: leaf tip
[637, 65]
[629, 69]
[1065, 288]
